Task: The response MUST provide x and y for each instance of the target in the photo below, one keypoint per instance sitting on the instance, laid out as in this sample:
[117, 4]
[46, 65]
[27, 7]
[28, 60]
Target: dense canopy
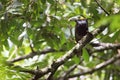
[37, 40]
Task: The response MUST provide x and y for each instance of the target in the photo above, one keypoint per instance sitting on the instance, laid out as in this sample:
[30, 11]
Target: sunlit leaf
[85, 55]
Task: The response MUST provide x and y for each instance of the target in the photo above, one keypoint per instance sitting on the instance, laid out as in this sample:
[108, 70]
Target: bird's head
[76, 18]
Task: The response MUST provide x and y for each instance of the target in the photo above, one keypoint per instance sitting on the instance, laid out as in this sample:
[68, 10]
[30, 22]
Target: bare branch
[98, 67]
[104, 46]
[102, 7]
[32, 54]
[67, 73]
[37, 73]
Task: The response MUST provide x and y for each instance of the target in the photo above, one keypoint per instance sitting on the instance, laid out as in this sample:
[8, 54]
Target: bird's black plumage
[81, 29]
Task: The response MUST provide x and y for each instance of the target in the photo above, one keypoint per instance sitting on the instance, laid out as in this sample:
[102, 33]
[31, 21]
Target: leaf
[115, 20]
[51, 1]
[85, 55]
[76, 59]
[116, 35]
[69, 63]
[111, 37]
[43, 1]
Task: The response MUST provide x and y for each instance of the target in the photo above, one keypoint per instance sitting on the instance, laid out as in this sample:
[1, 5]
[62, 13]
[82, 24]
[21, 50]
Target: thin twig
[36, 76]
[102, 7]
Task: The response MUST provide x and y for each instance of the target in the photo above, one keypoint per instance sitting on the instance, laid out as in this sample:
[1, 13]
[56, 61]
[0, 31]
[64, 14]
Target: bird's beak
[75, 18]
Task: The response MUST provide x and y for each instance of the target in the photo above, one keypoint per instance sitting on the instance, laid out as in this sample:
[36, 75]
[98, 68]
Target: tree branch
[104, 46]
[98, 67]
[37, 73]
[102, 7]
[67, 73]
[32, 54]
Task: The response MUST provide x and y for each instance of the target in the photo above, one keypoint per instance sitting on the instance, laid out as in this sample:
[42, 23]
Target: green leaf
[76, 59]
[43, 1]
[111, 37]
[115, 22]
[69, 63]
[116, 35]
[85, 55]
[51, 1]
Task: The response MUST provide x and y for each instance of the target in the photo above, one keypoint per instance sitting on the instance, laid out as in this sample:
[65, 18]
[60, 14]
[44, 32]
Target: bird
[81, 29]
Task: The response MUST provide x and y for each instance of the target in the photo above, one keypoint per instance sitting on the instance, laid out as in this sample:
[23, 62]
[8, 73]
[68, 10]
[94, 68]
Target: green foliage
[44, 24]
[85, 55]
